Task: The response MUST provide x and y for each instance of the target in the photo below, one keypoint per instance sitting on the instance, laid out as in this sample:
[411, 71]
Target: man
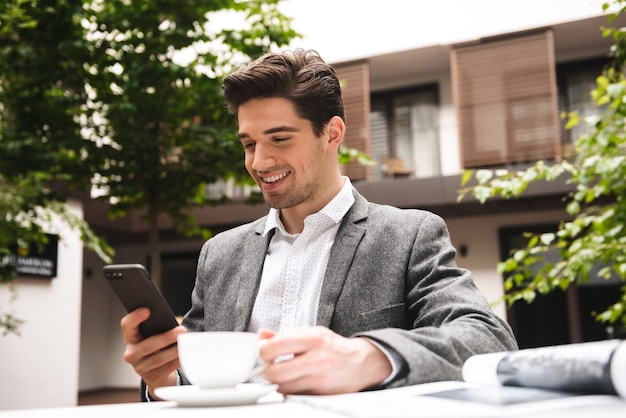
[348, 295]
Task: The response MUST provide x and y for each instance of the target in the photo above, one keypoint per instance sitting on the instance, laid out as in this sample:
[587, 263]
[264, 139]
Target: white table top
[433, 400]
[170, 409]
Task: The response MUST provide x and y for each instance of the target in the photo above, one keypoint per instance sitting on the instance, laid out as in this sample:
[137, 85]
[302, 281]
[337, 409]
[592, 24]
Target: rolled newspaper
[591, 367]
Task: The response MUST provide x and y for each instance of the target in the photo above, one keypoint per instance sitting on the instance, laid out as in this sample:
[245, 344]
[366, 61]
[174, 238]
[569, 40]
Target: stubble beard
[294, 197]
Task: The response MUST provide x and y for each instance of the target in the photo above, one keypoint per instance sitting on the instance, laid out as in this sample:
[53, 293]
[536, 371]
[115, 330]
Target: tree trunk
[154, 245]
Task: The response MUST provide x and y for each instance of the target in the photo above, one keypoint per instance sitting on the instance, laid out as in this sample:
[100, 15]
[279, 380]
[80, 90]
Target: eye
[248, 145]
[281, 138]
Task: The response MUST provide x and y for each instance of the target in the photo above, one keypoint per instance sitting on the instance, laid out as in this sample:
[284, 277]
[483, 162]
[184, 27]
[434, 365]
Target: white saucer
[186, 395]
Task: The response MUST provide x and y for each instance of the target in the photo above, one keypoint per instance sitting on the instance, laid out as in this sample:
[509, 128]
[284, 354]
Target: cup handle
[260, 368]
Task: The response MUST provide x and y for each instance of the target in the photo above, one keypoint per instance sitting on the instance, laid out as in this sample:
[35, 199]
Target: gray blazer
[391, 277]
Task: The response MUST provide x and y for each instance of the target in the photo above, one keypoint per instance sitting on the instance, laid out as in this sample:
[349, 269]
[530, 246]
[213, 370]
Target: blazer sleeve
[449, 319]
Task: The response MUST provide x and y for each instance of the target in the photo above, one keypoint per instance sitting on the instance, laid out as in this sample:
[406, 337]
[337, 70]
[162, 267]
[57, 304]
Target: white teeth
[272, 179]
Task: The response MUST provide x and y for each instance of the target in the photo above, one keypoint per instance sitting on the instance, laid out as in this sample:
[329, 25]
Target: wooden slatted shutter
[506, 100]
[355, 91]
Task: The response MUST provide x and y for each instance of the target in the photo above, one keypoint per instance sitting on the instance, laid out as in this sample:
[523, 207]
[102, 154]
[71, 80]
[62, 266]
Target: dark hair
[300, 76]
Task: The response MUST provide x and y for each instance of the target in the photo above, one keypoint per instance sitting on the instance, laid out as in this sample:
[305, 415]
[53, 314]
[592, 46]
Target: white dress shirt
[295, 265]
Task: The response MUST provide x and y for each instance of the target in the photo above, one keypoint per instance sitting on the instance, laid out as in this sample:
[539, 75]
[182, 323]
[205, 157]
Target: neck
[293, 218]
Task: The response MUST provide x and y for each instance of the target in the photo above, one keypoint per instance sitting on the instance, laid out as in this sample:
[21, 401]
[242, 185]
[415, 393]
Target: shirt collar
[335, 209]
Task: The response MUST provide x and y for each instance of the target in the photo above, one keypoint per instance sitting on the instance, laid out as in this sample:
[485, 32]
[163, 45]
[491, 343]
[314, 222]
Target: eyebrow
[284, 128]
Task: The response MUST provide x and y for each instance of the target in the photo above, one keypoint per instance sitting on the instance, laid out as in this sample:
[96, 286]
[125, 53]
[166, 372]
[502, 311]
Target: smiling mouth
[274, 178]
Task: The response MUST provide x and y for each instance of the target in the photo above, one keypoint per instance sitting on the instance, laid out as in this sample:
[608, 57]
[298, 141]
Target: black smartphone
[135, 289]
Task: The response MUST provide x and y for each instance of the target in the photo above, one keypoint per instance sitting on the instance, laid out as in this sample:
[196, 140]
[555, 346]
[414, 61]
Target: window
[575, 83]
[506, 100]
[404, 127]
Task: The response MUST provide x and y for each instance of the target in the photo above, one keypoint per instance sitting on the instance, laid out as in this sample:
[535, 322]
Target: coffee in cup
[218, 359]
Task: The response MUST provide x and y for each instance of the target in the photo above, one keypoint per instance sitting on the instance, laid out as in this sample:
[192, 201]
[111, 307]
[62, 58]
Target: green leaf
[482, 193]
[519, 255]
[529, 295]
[467, 176]
[573, 207]
[483, 176]
[573, 120]
[615, 89]
[547, 239]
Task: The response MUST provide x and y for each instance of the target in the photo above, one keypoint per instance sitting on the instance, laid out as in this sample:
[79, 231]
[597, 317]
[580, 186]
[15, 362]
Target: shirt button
[291, 299]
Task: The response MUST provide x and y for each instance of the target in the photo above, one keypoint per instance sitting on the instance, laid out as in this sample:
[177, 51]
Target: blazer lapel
[341, 256]
[250, 278]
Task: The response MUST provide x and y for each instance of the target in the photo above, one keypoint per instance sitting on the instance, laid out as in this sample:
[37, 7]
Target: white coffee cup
[218, 359]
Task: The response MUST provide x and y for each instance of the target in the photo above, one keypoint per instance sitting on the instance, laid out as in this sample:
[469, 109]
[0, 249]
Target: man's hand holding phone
[154, 358]
[150, 327]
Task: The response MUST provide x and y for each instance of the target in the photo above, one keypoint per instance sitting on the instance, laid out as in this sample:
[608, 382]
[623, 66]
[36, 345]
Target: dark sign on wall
[31, 260]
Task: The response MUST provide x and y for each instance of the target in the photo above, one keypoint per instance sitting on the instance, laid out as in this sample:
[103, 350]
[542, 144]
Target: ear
[336, 132]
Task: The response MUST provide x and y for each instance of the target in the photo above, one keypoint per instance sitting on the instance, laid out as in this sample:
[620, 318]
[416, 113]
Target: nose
[262, 159]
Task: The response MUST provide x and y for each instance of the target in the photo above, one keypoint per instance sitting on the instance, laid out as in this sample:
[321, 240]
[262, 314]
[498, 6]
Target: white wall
[39, 368]
[101, 346]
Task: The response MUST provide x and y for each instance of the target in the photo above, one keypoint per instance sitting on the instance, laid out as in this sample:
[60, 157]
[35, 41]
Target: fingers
[298, 360]
[130, 325]
[153, 358]
[156, 366]
[155, 350]
[156, 357]
[322, 362]
[266, 333]
[293, 343]
[303, 374]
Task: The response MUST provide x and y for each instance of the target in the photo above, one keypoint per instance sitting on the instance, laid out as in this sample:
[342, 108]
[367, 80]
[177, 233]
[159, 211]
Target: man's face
[285, 158]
